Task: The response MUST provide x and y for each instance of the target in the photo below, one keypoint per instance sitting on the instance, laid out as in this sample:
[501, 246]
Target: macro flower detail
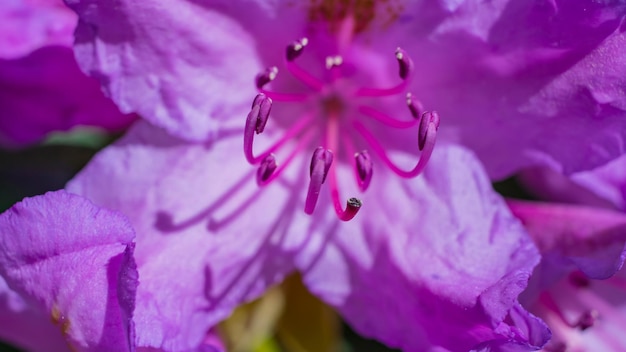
[478, 64]
[43, 89]
[330, 115]
[425, 244]
[578, 288]
[67, 275]
[584, 314]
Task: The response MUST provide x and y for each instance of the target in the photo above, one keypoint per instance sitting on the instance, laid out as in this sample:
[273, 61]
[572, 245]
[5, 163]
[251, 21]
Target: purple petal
[188, 72]
[546, 184]
[584, 314]
[546, 76]
[591, 238]
[72, 262]
[522, 332]
[19, 322]
[43, 90]
[538, 82]
[27, 25]
[434, 261]
[207, 238]
[607, 182]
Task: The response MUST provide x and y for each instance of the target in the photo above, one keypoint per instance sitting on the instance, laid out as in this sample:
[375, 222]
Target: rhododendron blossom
[43, 90]
[345, 93]
[576, 289]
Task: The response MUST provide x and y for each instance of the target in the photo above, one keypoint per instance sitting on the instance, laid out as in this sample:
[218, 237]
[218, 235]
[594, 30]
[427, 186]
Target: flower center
[333, 123]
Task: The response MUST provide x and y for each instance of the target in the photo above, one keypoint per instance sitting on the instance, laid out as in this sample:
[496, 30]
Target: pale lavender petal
[27, 25]
[607, 182]
[19, 322]
[434, 261]
[572, 301]
[521, 332]
[72, 262]
[545, 184]
[207, 238]
[565, 79]
[526, 83]
[43, 90]
[188, 72]
[591, 238]
[502, 66]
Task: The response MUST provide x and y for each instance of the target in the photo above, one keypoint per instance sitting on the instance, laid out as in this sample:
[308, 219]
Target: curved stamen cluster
[339, 130]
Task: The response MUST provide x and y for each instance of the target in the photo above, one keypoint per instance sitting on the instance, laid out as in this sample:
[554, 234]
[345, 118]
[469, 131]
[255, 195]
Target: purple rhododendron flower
[43, 90]
[581, 243]
[434, 262]
[520, 82]
[440, 262]
[67, 275]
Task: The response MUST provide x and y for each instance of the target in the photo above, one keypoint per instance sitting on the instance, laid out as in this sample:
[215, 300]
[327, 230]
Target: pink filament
[383, 92]
[302, 143]
[291, 133]
[304, 77]
[378, 149]
[384, 118]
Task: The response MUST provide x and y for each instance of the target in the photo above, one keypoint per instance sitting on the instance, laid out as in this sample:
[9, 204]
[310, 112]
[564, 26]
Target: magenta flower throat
[330, 122]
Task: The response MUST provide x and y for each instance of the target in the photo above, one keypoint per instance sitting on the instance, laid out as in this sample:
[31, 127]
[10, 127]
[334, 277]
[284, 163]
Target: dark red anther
[428, 118]
[587, 319]
[295, 49]
[320, 165]
[255, 123]
[364, 169]
[265, 107]
[578, 279]
[266, 76]
[323, 157]
[266, 169]
[405, 63]
[415, 106]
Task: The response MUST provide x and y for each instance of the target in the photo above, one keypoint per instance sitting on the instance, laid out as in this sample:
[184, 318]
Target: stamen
[588, 319]
[405, 63]
[429, 119]
[295, 49]
[255, 123]
[353, 205]
[384, 118]
[364, 169]
[293, 131]
[266, 169]
[266, 76]
[292, 52]
[428, 146]
[405, 73]
[330, 94]
[415, 107]
[320, 164]
[303, 142]
[265, 107]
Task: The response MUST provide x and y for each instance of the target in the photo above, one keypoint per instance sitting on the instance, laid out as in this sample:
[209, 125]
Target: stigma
[338, 124]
